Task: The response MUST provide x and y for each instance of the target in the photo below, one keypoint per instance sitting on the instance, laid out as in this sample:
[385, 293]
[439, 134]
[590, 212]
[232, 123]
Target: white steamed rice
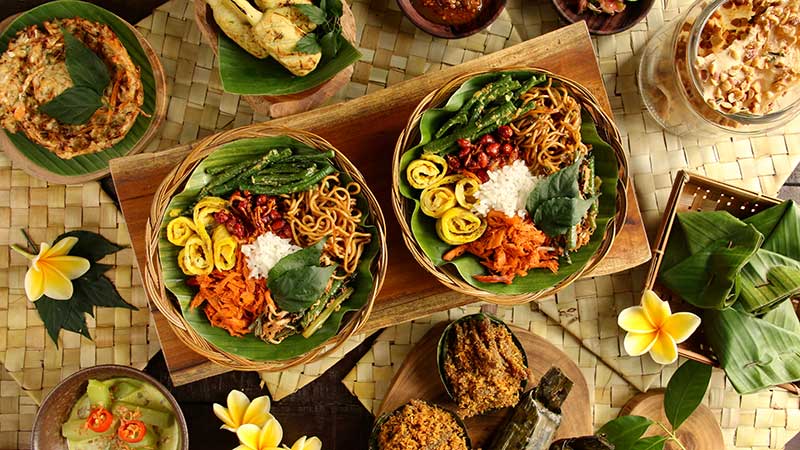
[265, 252]
[506, 191]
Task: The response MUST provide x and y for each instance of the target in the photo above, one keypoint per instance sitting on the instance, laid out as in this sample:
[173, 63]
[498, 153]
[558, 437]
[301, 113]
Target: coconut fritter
[33, 72]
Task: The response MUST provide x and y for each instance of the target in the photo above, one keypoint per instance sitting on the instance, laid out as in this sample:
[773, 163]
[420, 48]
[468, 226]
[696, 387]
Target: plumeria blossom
[304, 443]
[652, 327]
[53, 269]
[241, 411]
[253, 437]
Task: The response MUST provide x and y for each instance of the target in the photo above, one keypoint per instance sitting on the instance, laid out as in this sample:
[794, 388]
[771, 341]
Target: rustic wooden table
[324, 407]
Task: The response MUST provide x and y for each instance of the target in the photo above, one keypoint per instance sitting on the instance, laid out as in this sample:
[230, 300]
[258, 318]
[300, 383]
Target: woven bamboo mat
[758, 421]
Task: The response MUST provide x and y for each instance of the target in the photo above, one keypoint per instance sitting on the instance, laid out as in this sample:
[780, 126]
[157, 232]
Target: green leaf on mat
[62, 314]
[624, 431]
[755, 353]
[63, 9]
[84, 66]
[424, 228]
[685, 391]
[250, 346]
[74, 106]
[236, 69]
[91, 246]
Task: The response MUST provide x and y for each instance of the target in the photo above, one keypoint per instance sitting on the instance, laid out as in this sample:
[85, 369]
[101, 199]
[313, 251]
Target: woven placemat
[45, 211]
[757, 421]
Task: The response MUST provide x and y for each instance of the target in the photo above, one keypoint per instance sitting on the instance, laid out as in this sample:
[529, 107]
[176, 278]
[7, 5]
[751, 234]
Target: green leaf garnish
[685, 391]
[308, 44]
[650, 443]
[555, 203]
[330, 44]
[297, 281]
[333, 7]
[84, 66]
[74, 106]
[314, 13]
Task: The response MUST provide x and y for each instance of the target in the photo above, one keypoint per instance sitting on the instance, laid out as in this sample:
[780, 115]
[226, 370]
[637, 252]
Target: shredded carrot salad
[231, 299]
[510, 246]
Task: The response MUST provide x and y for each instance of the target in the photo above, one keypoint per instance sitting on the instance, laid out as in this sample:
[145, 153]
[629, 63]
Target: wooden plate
[700, 431]
[284, 105]
[20, 160]
[418, 378]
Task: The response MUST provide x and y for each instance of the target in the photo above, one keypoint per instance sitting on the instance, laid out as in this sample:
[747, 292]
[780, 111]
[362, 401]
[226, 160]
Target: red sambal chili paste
[449, 12]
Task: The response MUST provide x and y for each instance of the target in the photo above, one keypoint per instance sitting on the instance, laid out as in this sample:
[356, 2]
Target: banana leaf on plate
[250, 346]
[85, 164]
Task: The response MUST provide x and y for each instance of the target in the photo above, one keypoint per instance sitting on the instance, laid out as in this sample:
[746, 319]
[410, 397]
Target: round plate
[41, 163]
[55, 408]
[602, 24]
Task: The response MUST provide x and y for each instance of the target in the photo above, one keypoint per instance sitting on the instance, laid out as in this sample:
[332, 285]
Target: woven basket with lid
[166, 303]
[692, 192]
[403, 207]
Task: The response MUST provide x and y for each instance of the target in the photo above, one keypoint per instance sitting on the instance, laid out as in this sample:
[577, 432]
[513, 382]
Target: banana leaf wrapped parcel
[745, 275]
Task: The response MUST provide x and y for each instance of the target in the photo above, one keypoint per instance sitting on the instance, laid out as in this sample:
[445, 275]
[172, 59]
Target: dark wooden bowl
[604, 23]
[55, 408]
[490, 11]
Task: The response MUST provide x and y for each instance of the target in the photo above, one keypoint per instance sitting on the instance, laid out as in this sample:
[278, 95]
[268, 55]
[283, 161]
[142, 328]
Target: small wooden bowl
[55, 408]
[489, 13]
[284, 105]
[602, 24]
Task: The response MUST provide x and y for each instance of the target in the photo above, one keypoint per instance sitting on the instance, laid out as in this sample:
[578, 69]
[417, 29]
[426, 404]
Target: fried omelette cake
[33, 71]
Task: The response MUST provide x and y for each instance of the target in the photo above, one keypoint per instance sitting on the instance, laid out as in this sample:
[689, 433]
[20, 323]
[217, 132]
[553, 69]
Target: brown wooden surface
[285, 105]
[700, 431]
[159, 114]
[365, 129]
[418, 378]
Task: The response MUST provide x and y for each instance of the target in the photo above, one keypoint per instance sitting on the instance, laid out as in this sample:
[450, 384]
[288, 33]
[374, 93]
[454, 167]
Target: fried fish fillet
[33, 72]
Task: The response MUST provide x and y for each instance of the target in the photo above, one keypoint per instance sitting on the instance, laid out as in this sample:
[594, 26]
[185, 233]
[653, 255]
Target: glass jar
[672, 83]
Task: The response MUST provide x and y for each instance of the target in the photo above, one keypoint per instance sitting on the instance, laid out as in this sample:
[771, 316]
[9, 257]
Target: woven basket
[167, 304]
[692, 192]
[404, 207]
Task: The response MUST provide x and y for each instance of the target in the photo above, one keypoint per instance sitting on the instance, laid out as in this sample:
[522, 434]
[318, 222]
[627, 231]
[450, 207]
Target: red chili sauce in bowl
[449, 12]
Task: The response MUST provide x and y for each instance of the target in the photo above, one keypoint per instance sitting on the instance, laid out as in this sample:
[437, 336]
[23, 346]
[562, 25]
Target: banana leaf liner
[243, 74]
[776, 330]
[376, 429]
[419, 232]
[84, 168]
[445, 342]
[191, 325]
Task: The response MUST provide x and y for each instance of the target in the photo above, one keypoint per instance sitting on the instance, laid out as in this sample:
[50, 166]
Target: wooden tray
[365, 129]
[417, 379]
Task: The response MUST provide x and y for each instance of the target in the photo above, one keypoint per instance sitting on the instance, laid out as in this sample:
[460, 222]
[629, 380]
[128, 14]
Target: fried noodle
[549, 136]
[329, 209]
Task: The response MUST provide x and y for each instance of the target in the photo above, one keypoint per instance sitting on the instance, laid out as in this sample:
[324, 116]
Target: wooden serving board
[365, 129]
[418, 378]
[700, 431]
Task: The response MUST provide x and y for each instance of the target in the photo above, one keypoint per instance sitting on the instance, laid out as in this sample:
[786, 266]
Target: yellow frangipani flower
[304, 443]
[52, 270]
[652, 327]
[241, 411]
[253, 437]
